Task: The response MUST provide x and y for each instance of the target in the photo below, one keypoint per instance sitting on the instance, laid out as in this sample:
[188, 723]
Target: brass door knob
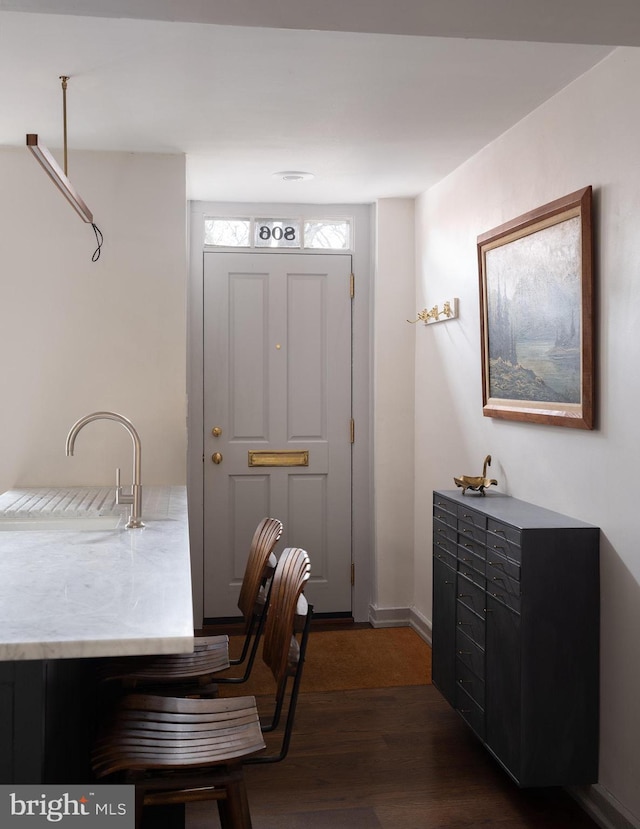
[216, 457]
[216, 431]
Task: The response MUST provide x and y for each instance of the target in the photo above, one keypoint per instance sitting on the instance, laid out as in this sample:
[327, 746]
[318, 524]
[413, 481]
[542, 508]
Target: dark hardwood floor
[395, 758]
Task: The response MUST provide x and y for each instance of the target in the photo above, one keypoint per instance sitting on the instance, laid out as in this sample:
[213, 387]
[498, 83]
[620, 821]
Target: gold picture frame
[536, 315]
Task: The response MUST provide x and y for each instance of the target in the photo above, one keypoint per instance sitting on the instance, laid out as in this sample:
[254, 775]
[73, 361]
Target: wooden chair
[178, 750]
[189, 672]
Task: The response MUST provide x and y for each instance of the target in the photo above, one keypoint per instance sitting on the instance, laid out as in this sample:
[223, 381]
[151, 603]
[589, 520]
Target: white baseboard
[389, 617]
[421, 625]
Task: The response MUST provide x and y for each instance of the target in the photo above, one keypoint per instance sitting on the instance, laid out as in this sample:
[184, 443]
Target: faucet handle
[121, 498]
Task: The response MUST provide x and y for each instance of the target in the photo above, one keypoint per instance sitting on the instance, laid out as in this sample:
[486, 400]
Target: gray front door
[277, 411]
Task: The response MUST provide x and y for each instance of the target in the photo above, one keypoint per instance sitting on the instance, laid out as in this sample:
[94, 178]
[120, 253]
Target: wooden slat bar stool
[195, 672]
[180, 750]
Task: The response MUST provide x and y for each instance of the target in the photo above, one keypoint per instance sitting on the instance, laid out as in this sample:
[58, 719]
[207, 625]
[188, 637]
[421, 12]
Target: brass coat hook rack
[449, 311]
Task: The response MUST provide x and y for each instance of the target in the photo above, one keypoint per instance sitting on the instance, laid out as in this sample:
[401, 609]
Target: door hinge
[352, 431]
[353, 574]
[352, 285]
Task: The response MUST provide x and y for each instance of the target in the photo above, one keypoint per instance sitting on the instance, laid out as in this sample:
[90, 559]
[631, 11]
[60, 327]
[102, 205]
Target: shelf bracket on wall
[449, 311]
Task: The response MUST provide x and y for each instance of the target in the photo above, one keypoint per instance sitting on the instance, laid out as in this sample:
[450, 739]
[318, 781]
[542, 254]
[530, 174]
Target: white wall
[587, 134]
[77, 337]
[393, 360]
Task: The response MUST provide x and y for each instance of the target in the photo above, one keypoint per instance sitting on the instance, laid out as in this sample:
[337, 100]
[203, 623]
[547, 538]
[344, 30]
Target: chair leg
[223, 813]
[234, 809]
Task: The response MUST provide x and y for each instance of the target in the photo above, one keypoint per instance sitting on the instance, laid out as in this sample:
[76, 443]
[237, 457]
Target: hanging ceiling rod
[52, 168]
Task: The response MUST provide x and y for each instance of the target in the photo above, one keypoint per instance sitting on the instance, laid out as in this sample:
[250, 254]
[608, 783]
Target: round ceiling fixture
[293, 175]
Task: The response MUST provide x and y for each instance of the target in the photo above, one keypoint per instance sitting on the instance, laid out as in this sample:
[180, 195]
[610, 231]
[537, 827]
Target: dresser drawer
[503, 580]
[504, 539]
[470, 711]
[441, 554]
[470, 682]
[445, 511]
[471, 533]
[469, 653]
[445, 547]
[470, 516]
[470, 594]
[472, 566]
[498, 564]
[467, 545]
[444, 531]
[505, 590]
[471, 624]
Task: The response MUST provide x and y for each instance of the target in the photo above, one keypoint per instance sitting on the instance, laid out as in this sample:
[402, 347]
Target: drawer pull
[498, 547]
[495, 564]
[464, 653]
[487, 609]
[465, 681]
[464, 596]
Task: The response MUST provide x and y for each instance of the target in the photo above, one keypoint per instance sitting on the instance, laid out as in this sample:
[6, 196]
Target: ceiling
[375, 98]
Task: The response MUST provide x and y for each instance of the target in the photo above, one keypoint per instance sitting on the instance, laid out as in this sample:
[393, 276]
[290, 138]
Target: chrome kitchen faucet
[135, 496]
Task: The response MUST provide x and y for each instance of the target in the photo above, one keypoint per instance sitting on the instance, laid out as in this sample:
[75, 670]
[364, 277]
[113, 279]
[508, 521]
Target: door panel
[249, 375]
[277, 366]
[248, 495]
[307, 348]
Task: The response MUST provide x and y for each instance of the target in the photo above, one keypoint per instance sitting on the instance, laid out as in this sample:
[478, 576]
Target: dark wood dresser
[516, 606]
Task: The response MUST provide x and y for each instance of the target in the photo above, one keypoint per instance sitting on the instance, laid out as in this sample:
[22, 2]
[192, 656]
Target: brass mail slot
[293, 457]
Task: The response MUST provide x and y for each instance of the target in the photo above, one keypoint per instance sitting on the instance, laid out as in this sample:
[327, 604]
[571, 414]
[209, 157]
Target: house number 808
[277, 233]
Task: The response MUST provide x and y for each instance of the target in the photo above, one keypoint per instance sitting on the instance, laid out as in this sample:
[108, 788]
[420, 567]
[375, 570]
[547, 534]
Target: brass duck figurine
[476, 483]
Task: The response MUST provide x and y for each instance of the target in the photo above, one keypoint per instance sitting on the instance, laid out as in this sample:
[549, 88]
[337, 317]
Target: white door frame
[362, 483]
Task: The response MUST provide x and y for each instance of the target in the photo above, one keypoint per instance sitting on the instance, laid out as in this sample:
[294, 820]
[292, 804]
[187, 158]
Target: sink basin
[64, 523]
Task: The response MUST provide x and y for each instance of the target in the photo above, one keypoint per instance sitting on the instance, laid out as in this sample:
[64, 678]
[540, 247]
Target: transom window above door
[256, 232]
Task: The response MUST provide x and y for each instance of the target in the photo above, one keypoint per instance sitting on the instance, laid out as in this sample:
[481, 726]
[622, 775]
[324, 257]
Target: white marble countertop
[83, 592]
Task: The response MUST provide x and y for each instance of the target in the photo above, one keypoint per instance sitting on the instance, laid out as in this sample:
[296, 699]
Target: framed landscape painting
[536, 315]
